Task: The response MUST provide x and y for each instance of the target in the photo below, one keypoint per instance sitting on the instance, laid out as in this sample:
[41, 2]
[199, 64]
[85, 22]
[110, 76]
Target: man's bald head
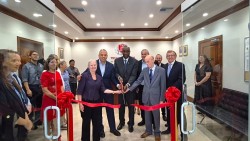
[149, 59]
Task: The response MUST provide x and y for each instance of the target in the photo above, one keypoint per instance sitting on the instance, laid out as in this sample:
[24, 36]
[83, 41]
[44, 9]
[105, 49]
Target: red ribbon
[172, 95]
[97, 104]
[64, 103]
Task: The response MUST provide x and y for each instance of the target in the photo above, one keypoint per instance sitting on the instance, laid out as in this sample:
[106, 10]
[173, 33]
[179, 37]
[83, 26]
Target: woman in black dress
[203, 84]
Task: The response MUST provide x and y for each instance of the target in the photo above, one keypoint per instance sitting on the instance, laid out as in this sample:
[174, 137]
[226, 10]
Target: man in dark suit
[107, 71]
[141, 65]
[158, 59]
[175, 76]
[126, 71]
[153, 93]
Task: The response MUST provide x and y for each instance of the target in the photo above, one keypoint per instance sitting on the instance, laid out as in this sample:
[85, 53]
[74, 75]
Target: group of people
[144, 81]
[24, 98]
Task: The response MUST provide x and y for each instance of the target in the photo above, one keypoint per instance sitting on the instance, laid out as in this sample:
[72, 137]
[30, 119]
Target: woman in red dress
[52, 86]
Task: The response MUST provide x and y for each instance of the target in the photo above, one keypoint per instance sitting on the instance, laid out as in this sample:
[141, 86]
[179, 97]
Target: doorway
[212, 48]
[24, 46]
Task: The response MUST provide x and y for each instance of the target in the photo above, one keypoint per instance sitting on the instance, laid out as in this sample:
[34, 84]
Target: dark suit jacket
[177, 78]
[129, 74]
[139, 68]
[109, 75]
[10, 103]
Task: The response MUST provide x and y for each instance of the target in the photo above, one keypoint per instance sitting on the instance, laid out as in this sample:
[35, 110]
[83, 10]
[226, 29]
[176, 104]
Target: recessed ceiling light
[54, 25]
[145, 24]
[142, 37]
[92, 16]
[37, 15]
[166, 37]
[203, 28]
[176, 31]
[204, 14]
[84, 2]
[66, 32]
[158, 2]
[151, 15]
[18, 1]
[98, 24]
[122, 24]
[188, 24]
[122, 37]
[76, 38]
[225, 20]
[103, 38]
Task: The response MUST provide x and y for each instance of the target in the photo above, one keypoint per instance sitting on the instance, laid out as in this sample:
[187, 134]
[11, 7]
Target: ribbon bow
[64, 99]
[172, 94]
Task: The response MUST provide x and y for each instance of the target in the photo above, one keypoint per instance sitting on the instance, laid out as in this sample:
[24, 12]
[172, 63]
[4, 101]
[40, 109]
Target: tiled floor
[209, 130]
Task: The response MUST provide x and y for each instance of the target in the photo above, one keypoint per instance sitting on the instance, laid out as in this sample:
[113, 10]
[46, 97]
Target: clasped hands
[123, 88]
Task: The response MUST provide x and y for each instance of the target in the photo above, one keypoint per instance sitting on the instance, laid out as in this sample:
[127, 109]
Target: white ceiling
[109, 14]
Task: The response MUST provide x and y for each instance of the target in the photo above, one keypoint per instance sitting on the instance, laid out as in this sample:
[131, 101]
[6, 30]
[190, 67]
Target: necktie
[150, 74]
[22, 93]
[169, 68]
[125, 63]
[16, 79]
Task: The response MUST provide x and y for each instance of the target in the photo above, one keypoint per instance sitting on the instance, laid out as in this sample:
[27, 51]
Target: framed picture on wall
[61, 53]
[180, 51]
[185, 50]
[246, 59]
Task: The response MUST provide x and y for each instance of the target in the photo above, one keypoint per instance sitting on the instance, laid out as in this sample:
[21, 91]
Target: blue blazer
[109, 75]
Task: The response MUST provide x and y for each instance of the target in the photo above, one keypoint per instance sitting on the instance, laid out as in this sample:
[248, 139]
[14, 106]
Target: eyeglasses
[170, 55]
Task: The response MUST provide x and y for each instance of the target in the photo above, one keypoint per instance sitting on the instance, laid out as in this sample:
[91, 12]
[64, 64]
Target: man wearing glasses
[175, 76]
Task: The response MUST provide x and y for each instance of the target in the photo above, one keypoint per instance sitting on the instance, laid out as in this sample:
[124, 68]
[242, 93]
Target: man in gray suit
[153, 93]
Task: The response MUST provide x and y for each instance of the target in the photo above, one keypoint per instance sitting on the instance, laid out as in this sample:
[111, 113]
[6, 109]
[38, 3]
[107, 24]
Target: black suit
[129, 75]
[177, 78]
[108, 79]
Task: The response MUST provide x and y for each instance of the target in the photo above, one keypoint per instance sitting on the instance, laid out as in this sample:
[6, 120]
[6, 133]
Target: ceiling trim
[121, 40]
[26, 20]
[170, 18]
[63, 37]
[217, 17]
[62, 8]
[119, 29]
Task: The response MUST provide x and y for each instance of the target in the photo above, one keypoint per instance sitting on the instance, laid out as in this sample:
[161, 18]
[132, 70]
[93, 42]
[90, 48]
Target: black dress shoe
[102, 134]
[164, 118]
[120, 126]
[116, 133]
[166, 125]
[165, 132]
[141, 123]
[130, 129]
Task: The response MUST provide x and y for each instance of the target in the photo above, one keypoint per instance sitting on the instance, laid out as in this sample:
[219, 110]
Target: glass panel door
[214, 46]
[27, 28]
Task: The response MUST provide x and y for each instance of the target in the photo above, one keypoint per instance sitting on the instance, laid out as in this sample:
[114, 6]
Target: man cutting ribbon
[153, 93]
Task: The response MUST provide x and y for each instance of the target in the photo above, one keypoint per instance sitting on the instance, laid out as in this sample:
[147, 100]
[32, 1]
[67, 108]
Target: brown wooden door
[212, 48]
[24, 46]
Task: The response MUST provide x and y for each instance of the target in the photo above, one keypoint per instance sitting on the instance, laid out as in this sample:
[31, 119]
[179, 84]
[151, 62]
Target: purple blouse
[90, 89]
